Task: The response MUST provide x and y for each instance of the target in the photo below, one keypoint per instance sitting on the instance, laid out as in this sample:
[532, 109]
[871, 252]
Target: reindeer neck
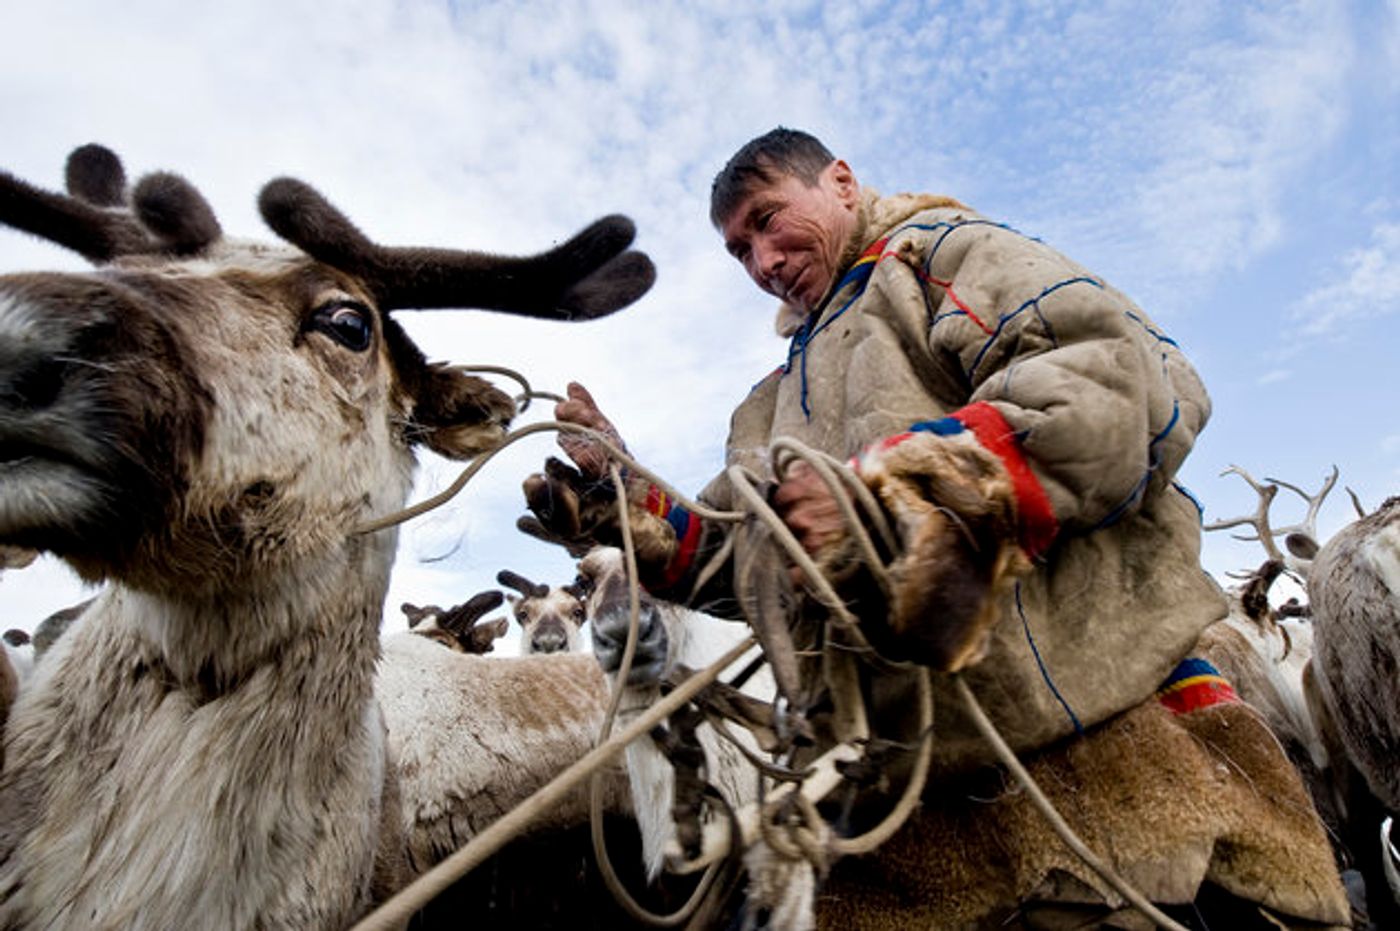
[324, 616]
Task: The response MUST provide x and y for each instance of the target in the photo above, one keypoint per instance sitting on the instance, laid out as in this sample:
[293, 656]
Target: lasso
[787, 819]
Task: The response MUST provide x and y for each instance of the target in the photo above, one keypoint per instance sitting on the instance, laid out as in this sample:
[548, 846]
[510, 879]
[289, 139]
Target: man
[1017, 404]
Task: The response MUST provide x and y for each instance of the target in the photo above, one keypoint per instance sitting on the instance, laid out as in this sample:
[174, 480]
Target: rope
[803, 842]
[1048, 810]
[400, 907]
[873, 838]
[527, 394]
[838, 489]
[614, 882]
[558, 426]
[909, 800]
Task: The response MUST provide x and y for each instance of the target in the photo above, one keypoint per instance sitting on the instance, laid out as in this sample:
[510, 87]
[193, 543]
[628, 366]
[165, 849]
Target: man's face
[789, 237]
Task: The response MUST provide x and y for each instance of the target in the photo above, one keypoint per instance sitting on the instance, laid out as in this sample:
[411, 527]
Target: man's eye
[347, 322]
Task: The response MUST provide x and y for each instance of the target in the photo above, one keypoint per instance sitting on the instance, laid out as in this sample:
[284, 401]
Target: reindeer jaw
[44, 500]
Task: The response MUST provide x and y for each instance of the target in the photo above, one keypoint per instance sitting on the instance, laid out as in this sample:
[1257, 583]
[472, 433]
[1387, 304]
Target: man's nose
[766, 262]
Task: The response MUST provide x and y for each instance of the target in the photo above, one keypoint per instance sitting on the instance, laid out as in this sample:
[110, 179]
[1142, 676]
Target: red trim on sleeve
[684, 555]
[1038, 524]
[656, 502]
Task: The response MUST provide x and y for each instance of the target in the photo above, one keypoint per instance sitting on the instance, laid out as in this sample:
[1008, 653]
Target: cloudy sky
[1231, 165]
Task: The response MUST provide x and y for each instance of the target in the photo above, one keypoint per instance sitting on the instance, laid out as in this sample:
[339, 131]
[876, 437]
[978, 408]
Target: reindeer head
[549, 618]
[459, 628]
[199, 410]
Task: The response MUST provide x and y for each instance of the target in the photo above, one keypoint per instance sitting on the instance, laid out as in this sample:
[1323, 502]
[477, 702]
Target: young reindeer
[549, 618]
[668, 636]
[206, 424]
[458, 628]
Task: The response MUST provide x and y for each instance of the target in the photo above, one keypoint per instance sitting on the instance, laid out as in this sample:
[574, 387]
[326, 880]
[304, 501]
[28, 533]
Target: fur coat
[964, 325]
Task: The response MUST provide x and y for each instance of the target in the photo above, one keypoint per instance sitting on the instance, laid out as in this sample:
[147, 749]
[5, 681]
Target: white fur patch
[17, 319]
[1381, 550]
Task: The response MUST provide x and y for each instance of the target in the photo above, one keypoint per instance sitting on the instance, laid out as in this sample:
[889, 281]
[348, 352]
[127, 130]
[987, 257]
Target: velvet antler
[460, 619]
[588, 276]
[521, 584]
[168, 216]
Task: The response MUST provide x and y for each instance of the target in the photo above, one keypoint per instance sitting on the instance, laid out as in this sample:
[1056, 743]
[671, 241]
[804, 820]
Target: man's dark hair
[762, 161]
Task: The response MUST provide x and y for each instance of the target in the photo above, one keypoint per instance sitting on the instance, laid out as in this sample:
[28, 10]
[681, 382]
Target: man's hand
[580, 408]
[578, 507]
[806, 505]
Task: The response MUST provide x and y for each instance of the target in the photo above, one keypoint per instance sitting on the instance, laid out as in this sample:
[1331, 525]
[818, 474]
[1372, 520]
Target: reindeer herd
[204, 425]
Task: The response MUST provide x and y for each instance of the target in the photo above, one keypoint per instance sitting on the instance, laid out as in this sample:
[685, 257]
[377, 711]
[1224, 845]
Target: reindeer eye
[346, 322]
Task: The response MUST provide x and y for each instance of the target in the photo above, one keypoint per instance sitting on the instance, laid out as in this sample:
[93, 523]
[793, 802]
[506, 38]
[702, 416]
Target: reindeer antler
[168, 215]
[460, 619]
[1259, 520]
[588, 276]
[1301, 538]
[521, 584]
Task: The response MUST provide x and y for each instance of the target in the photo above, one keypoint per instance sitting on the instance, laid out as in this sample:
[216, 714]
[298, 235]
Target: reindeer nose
[32, 383]
[549, 641]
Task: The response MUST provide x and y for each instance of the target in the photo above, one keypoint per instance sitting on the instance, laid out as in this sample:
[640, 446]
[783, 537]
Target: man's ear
[844, 182]
[458, 415]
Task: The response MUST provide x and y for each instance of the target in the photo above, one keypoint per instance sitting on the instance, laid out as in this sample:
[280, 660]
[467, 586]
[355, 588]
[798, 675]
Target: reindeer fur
[670, 635]
[474, 736]
[1354, 590]
[204, 424]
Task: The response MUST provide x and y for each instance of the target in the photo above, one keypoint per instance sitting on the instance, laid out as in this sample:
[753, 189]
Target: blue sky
[1230, 165]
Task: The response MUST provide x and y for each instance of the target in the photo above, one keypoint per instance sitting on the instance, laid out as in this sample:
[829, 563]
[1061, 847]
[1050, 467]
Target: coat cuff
[687, 528]
[1039, 527]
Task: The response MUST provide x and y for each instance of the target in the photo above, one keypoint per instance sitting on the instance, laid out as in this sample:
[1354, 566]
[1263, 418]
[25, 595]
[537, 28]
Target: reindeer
[1332, 693]
[11, 674]
[549, 618]
[669, 638]
[457, 628]
[481, 736]
[1354, 688]
[1266, 650]
[207, 425]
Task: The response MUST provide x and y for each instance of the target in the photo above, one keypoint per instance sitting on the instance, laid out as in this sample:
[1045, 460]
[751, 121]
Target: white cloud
[1367, 284]
[1157, 145]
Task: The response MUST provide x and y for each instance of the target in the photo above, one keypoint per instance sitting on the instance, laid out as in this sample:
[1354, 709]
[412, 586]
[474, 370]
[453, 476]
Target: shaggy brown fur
[9, 687]
[956, 512]
[1170, 801]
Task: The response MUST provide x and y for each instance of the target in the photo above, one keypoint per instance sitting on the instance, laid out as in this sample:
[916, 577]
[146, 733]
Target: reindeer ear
[459, 415]
[1301, 545]
[483, 637]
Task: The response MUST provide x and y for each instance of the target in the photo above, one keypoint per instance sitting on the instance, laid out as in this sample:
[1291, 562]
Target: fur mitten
[580, 513]
[954, 508]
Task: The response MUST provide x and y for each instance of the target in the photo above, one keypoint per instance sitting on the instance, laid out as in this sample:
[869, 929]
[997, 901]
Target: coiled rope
[802, 843]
